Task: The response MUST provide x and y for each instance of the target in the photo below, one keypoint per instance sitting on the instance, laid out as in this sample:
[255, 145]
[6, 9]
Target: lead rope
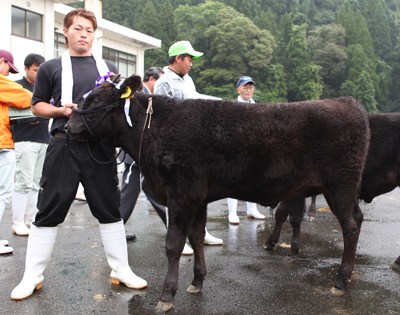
[149, 112]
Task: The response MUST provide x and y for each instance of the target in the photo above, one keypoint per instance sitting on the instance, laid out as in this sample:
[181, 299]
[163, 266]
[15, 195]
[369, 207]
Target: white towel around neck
[67, 79]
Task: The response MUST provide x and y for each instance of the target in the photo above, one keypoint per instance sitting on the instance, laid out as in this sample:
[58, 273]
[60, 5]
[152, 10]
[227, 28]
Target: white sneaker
[233, 219]
[211, 240]
[4, 242]
[187, 250]
[5, 250]
[252, 212]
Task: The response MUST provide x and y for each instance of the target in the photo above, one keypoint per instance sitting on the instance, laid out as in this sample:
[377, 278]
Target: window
[59, 41]
[126, 63]
[26, 24]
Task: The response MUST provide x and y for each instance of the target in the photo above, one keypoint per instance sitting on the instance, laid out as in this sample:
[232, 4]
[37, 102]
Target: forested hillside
[294, 49]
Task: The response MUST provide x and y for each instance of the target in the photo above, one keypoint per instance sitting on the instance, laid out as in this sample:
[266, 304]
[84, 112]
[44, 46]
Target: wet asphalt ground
[242, 277]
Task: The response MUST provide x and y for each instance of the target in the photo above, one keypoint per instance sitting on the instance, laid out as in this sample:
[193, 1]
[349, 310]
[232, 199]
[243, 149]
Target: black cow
[193, 152]
[381, 175]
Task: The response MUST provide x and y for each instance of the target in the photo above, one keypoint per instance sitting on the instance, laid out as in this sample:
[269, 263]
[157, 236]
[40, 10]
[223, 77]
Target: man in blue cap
[177, 83]
[245, 88]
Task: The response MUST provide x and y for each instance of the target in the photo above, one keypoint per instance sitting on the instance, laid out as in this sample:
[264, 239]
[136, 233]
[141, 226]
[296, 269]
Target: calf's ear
[134, 83]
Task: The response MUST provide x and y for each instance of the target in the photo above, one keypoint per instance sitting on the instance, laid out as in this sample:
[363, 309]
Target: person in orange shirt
[11, 94]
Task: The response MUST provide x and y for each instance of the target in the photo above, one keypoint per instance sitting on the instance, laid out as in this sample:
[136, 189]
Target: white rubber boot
[252, 212]
[114, 242]
[19, 202]
[211, 240]
[187, 250]
[232, 207]
[40, 245]
[80, 194]
[4, 249]
[31, 209]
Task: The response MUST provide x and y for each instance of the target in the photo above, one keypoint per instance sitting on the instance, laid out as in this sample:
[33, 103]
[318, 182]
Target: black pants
[130, 193]
[68, 163]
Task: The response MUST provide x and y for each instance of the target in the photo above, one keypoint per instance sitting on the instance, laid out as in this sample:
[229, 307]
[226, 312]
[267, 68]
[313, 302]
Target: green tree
[384, 71]
[347, 19]
[379, 28]
[149, 20]
[364, 36]
[347, 88]
[303, 79]
[166, 30]
[273, 89]
[238, 47]
[394, 94]
[310, 82]
[124, 11]
[266, 21]
[365, 92]
[192, 23]
[281, 53]
[328, 50]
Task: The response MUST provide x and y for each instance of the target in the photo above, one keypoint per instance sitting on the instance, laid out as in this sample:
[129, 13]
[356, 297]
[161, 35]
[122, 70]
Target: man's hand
[67, 111]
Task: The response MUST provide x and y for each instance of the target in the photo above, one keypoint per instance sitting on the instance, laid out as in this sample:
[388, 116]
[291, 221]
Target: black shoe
[131, 237]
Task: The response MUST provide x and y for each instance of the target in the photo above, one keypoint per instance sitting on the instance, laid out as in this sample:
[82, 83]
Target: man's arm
[14, 94]
[46, 110]
[163, 88]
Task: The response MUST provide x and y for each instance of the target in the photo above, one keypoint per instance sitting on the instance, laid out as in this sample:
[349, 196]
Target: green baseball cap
[184, 47]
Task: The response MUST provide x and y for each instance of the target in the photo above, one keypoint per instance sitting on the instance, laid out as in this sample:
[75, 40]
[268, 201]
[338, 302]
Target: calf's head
[102, 112]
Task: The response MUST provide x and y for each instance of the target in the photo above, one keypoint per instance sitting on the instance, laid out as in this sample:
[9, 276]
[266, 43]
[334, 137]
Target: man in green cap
[176, 83]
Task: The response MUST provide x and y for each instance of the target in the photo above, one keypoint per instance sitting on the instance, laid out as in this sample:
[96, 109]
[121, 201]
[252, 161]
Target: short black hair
[152, 72]
[172, 58]
[33, 59]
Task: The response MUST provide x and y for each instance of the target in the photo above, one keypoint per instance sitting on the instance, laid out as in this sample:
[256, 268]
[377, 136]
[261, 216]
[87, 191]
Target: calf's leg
[350, 218]
[281, 215]
[312, 209]
[296, 213]
[196, 237]
[180, 221]
[296, 207]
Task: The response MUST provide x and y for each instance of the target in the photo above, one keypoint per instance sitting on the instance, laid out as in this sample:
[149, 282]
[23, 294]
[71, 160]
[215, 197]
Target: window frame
[106, 54]
[57, 43]
[26, 24]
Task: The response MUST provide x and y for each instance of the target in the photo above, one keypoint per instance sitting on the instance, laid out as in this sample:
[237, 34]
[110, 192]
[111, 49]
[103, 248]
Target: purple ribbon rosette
[99, 81]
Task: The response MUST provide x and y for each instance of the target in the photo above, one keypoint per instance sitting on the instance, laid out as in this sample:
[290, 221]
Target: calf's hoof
[289, 259]
[395, 267]
[336, 292]
[268, 246]
[310, 219]
[193, 289]
[163, 307]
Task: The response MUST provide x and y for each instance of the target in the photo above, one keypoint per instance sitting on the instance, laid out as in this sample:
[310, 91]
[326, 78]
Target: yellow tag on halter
[127, 93]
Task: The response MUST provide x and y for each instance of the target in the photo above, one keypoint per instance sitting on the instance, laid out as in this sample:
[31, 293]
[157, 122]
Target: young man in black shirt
[31, 136]
[68, 162]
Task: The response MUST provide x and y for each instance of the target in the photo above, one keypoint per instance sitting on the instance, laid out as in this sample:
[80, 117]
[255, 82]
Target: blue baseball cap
[244, 80]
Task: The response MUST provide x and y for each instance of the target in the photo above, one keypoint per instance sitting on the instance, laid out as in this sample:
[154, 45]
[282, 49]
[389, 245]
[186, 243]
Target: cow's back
[267, 148]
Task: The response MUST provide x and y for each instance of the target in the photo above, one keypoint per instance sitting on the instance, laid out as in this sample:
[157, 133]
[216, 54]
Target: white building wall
[127, 40]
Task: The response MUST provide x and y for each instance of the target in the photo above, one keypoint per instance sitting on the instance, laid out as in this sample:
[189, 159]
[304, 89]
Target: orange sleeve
[14, 94]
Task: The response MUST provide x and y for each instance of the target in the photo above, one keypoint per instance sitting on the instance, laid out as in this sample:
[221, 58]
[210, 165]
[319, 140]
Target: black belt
[63, 135]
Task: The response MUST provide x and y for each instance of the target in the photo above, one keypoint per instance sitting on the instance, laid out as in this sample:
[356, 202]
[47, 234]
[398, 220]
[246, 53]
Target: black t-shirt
[48, 83]
[35, 129]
